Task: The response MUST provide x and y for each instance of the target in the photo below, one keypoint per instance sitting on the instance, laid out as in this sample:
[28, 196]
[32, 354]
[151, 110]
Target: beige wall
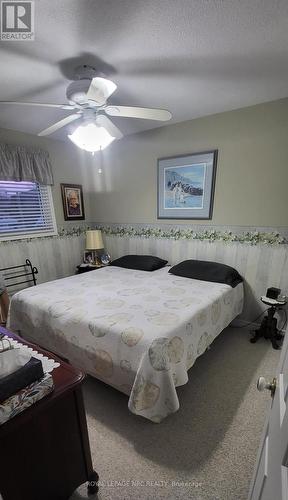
[252, 173]
[70, 165]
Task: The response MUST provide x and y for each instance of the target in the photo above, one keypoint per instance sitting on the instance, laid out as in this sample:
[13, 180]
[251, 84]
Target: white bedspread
[137, 331]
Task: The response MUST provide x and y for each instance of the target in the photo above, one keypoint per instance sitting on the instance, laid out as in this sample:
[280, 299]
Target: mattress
[138, 331]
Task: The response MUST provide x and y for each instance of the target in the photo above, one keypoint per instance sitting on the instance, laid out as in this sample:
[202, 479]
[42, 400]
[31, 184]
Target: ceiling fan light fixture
[91, 137]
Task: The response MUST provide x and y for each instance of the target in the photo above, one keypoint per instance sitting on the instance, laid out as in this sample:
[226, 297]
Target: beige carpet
[205, 451]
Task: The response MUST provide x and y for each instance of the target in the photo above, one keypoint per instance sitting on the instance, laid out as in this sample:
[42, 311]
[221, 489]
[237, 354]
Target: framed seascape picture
[72, 199]
[186, 186]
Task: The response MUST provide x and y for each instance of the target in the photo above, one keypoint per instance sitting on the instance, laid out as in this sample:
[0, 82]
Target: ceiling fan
[87, 97]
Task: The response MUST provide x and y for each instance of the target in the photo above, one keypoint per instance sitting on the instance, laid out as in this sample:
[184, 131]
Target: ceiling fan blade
[100, 89]
[61, 106]
[105, 122]
[60, 124]
[134, 112]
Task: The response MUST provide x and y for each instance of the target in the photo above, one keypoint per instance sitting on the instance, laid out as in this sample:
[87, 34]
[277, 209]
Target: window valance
[19, 163]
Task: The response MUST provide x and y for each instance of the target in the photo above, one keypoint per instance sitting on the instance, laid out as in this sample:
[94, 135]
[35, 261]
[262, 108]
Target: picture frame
[72, 199]
[186, 186]
[105, 259]
[89, 257]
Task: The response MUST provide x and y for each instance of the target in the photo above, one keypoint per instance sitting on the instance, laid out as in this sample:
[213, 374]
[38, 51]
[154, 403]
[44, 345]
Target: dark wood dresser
[44, 451]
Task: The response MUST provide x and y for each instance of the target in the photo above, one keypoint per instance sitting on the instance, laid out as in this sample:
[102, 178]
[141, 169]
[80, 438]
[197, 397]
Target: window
[26, 210]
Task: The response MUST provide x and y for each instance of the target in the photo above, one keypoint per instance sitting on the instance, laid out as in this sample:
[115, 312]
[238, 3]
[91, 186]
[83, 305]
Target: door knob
[262, 385]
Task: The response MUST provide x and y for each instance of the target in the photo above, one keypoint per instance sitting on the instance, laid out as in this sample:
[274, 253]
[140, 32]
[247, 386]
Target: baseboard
[242, 323]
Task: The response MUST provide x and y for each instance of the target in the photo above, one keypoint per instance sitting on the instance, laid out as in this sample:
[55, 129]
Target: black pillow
[207, 271]
[140, 262]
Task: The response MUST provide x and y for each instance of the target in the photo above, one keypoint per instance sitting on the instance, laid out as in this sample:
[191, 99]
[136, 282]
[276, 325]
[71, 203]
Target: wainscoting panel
[260, 265]
[54, 257]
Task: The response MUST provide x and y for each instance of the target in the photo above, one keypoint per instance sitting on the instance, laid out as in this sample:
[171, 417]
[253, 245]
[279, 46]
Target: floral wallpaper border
[252, 236]
[211, 235]
[63, 232]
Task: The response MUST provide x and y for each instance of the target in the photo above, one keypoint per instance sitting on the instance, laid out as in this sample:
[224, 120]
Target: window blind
[26, 210]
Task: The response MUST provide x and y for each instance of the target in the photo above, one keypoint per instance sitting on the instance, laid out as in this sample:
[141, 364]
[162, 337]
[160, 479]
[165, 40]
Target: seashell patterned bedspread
[137, 331]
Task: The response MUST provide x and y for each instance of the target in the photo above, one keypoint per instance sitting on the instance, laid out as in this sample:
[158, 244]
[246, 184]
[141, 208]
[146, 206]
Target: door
[270, 479]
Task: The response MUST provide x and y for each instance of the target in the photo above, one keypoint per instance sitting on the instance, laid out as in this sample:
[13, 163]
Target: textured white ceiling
[193, 57]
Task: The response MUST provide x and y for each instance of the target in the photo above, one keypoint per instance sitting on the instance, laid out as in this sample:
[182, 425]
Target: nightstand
[85, 269]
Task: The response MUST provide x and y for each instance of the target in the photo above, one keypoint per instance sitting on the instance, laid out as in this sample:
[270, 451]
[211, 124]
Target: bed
[137, 331]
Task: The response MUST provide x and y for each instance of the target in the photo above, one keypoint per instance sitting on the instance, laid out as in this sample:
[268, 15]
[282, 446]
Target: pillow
[207, 271]
[140, 262]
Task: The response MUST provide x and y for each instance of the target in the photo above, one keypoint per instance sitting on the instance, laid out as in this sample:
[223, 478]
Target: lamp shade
[94, 240]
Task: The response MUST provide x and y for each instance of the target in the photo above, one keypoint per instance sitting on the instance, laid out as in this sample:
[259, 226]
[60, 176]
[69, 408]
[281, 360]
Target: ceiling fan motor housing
[76, 92]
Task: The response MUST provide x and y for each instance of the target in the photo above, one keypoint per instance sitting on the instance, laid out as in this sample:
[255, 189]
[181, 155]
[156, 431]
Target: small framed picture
[72, 199]
[89, 257]
[105, 259]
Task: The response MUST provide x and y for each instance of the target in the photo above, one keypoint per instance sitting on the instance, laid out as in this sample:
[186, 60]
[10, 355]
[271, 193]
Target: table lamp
[94, 242]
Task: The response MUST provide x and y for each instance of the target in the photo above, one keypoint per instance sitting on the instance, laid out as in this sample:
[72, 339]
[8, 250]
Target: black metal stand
[13, 273]
[268, 328]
